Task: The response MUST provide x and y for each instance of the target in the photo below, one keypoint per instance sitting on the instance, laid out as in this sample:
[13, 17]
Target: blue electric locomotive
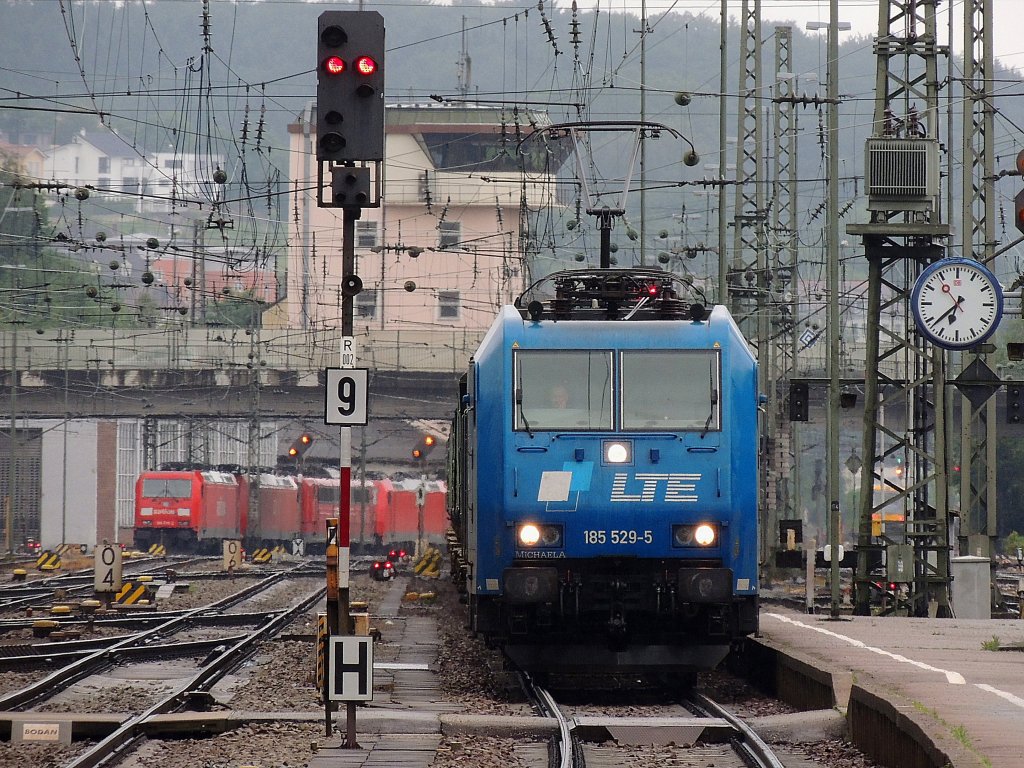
[603, 476]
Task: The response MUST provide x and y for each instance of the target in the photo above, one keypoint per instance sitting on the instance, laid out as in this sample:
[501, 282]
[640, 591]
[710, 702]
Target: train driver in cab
[558, 397]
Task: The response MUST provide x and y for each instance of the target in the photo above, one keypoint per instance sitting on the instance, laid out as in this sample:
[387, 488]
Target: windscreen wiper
[713, 394]
[522, 413]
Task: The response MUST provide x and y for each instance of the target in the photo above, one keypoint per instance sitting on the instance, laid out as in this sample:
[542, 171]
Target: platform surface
[940, 671]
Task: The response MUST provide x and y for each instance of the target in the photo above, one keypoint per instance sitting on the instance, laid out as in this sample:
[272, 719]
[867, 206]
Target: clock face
[957, 303]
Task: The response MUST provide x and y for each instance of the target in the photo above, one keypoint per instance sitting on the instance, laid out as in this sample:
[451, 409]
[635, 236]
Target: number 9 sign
[345, 401]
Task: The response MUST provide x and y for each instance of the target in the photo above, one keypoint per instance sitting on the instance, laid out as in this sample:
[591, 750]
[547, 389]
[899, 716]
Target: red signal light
[334, 65]
[365, 65]
[376, 566]
[652, 290]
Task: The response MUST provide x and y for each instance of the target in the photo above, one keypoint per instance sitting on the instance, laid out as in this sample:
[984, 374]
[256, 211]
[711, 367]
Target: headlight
[529, 535]
[532, 535]
[699, 535]
[705, 535]
[617, 451]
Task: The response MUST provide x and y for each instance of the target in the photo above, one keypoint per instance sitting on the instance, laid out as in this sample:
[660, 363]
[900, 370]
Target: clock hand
[949, 313]
[952, 312]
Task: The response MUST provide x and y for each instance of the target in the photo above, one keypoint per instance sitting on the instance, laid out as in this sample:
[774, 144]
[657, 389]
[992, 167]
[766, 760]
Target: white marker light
[529, 534]
[704, 535]
[617, 453]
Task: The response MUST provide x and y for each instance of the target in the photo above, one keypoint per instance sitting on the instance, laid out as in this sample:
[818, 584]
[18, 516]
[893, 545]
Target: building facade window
[449, 305]
[366, 304]
[366, 234]
[449, 233]
[104, 165]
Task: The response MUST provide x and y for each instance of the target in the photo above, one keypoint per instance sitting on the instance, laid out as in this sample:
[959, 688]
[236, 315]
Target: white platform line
[953, 678]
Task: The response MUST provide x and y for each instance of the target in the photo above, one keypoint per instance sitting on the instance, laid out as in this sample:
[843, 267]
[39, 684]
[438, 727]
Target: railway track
[176, 636]
[226, 658]
[701, 730]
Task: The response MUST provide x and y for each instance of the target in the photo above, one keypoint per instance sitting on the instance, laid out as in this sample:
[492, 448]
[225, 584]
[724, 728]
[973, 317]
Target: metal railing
[289, 349]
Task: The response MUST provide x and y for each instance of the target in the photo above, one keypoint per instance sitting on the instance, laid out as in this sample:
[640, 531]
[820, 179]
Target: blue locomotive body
[603, 478]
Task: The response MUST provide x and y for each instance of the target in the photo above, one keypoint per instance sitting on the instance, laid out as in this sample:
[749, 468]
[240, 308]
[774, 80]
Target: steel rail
[120, 742]
[136, 653]
[73, 581]
[130, 619]
[120, 620]
[548, 707]
[748, 744]
[104, 658]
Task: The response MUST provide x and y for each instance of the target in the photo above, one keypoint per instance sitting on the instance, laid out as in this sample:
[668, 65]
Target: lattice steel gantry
[977, 426]
[749, 254]
[782, 487]
[904, 375]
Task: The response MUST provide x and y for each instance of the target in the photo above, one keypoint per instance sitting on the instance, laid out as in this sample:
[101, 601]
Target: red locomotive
[398, 521]
[192, 510]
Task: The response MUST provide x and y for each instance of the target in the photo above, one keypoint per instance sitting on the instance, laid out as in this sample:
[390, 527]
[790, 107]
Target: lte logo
[646, 486]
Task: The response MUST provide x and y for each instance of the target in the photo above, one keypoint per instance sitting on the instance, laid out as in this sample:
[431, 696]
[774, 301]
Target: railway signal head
[799, 393]
[350, 86]
[1014, 402]
[382, 570]
[423, 447]
[300, 445]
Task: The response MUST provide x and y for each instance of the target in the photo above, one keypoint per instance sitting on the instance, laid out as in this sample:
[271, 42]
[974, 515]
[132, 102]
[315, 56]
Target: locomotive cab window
[562, 389]
[670, 389]
[366, 494]
[328, 494]
[166, 488]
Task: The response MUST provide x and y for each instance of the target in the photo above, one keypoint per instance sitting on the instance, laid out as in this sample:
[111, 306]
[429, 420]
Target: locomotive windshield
[366, 494]
[658, 389]
[328, 494]
[166, 488]
[563, 389]
[670, 389]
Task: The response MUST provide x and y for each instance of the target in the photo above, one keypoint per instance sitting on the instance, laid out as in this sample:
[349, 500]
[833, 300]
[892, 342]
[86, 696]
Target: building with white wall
[114, 168]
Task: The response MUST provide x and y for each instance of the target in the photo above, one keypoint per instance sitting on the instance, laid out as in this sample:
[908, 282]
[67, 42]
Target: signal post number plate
[107, 568]
[345, 401]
